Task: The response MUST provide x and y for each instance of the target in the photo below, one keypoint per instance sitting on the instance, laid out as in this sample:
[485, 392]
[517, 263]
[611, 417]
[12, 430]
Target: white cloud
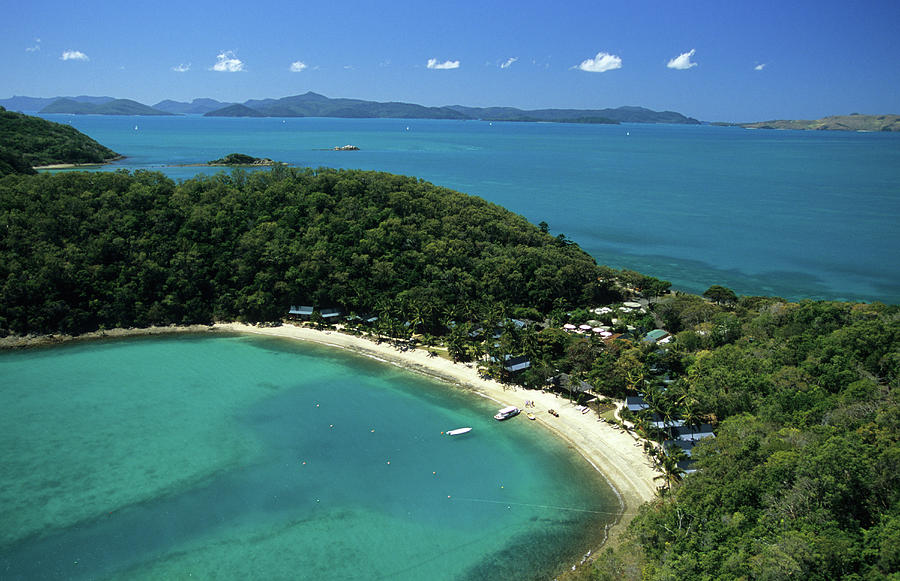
[36, 47]
[683, 61]
[297, 66]
[228, 63]
[182, 68]
[509, 62]
[434, 64]
[759, 67]
[601, 63]
[74, 55]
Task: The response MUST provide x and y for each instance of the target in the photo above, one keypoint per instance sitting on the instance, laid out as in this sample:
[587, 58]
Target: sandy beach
[615, 454]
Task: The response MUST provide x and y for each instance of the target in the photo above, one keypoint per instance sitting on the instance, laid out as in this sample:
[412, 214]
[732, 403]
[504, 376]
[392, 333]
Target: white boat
[459, 431]
[507, 412]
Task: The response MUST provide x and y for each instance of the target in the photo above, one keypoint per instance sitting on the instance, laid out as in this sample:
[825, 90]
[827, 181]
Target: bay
[246, 457]
[788, 213]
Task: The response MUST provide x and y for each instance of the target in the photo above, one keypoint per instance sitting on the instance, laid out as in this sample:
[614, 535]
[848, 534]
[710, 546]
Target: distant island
[242, 159]
[27, 142]
[315, 105]
[114, 107]
[853, 122]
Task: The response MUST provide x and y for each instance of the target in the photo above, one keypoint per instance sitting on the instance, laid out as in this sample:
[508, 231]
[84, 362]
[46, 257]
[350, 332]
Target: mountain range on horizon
[312, 104]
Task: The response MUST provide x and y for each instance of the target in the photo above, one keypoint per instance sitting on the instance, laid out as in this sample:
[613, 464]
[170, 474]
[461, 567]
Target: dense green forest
[27, 141]
[803, 478]
[81, 251]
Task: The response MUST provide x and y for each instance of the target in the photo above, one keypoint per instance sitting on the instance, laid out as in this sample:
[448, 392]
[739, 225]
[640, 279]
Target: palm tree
[691, 415]
[672, 473]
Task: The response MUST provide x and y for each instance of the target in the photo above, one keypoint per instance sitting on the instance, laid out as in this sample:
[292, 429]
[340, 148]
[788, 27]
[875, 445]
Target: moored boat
[507, 413]
[459, 431]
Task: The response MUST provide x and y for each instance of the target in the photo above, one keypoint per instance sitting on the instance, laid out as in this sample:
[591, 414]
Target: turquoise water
[790, 213]
[239, 457]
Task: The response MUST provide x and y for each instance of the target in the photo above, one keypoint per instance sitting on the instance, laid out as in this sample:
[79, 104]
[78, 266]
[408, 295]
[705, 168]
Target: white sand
[616, 454]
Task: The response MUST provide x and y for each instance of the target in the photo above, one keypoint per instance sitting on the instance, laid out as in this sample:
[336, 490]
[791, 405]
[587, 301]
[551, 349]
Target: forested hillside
[27, 141]
[802, 480]
[80, 251]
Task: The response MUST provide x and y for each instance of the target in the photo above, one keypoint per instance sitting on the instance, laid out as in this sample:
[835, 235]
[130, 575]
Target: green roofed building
[655, 335]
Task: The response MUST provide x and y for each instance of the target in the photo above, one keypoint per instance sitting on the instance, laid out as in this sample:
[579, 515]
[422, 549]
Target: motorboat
[507, 413]
[531, 416]
[459, 431]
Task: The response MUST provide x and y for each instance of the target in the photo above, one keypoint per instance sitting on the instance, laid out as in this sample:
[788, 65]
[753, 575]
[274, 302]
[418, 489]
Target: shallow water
[799, 214]
[240, 457]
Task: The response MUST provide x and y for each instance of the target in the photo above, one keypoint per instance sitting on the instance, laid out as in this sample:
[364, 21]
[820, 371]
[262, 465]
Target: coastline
[615, 454]
[78, 165]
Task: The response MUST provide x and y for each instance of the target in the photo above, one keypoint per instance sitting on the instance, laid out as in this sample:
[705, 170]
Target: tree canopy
[803, 478]
[79, 251]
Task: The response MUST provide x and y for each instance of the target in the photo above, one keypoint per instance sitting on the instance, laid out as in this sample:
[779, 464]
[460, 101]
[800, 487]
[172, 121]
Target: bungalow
[657, 421]
[299, 311]
[687, 466]
[330, 315]
[636, 403]
[516, 364]
[685, 447]
[655, 335]
[693, 433]
[367, 319]
[571, 384]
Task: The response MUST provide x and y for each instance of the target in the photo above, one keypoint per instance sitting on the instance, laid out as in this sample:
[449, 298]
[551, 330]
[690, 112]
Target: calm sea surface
[791, 213]
[248, 458]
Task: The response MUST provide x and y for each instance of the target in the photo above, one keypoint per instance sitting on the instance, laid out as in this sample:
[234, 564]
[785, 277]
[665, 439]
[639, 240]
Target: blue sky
[718, 60]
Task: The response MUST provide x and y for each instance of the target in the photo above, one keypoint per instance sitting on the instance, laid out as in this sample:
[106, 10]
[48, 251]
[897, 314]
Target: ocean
[796, 214]
[236, 457]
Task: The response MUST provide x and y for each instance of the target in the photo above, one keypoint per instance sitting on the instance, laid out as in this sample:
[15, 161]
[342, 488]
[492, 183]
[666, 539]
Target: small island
[853, 122]
[242, 159]
[345, 148]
